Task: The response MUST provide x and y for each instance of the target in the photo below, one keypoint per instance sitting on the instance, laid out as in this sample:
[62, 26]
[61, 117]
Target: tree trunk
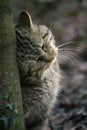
[11, 112]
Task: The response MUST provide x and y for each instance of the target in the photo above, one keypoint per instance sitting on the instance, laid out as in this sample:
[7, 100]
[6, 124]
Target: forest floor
[70, 112]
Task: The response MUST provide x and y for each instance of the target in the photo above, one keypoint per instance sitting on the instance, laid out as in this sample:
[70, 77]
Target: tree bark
[11, 112]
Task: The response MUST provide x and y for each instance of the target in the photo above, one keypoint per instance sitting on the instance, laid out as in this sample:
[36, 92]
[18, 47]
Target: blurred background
[68, 21]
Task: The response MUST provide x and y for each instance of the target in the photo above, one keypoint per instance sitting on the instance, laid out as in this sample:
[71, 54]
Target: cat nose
[53, 53]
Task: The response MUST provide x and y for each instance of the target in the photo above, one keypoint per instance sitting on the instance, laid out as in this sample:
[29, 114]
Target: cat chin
[48, 71]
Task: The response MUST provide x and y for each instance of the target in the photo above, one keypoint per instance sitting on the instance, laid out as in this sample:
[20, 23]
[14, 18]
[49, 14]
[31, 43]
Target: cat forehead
[43, 29]
[39, 31]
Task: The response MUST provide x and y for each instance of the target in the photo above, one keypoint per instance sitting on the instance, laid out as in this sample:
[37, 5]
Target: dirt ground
[70, 112]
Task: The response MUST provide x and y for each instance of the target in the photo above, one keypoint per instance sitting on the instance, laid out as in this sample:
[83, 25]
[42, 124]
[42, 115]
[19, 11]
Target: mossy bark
[11, 112]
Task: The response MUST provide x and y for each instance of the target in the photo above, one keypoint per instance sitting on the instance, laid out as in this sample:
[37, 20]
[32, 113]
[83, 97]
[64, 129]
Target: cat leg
[36, 118]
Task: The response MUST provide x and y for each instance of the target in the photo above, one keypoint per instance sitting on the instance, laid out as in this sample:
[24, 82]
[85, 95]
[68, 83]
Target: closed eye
[46, 34]
[43, 47]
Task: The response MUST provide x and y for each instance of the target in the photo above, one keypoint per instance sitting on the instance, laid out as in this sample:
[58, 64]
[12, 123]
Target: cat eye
[43, 47]
[46, 34]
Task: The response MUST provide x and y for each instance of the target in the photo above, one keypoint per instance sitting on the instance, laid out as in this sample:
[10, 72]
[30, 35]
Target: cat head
[36, 49]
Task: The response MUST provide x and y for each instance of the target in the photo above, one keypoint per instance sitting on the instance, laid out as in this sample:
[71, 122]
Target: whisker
[66, 59]
[50, 24]
[67, 43]
[70, 49]
[69, 59]
[68, 56]
[68, 52]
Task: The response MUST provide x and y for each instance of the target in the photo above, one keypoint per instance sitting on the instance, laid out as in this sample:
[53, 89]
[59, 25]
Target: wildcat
[37, 58]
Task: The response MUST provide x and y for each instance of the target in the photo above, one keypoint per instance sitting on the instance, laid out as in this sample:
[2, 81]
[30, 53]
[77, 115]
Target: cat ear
[25, 20]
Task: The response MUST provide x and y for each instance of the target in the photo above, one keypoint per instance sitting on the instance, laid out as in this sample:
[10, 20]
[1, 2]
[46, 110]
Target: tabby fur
[39, 71]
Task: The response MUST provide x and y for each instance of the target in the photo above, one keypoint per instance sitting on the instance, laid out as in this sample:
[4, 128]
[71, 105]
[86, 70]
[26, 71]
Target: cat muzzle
[53, 54]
